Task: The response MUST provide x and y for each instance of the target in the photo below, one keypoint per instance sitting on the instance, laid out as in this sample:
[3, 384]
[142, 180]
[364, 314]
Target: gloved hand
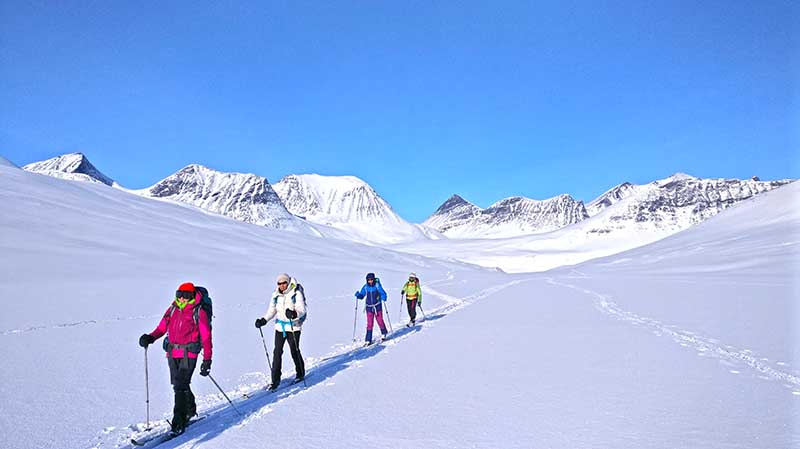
[205, 368]
[146, 340]
[291, 314]
[260, 322]
[356, 294]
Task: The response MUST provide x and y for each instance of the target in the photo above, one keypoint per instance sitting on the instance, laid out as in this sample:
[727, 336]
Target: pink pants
[379, 317]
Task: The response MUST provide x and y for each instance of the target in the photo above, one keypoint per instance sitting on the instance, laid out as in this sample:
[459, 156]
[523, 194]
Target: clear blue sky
[422, 99]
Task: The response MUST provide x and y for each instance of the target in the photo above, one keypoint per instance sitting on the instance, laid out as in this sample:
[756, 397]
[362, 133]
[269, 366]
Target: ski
[162, 437]
[284, 385]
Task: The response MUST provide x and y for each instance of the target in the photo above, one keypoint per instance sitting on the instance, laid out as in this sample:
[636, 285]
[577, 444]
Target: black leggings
[412, 309]
[277, 355]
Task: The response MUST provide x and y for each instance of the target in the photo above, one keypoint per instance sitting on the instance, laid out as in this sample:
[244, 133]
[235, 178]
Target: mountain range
[346, 207]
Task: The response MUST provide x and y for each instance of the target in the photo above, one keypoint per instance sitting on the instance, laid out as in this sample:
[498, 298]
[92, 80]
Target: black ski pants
[277, 355]
[412, 309]
[180, 373]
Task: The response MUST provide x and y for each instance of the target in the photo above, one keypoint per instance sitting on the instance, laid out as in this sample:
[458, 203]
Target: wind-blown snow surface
[613, 353]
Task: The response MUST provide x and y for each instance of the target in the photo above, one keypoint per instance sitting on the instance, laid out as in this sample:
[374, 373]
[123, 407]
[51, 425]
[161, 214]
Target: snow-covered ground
[688, 342]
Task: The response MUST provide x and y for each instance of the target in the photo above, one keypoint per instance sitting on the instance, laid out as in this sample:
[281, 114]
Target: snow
[6, 163]
[686, 342]
[241, 196]
[347, 204]
[509, 217]
[71, 166]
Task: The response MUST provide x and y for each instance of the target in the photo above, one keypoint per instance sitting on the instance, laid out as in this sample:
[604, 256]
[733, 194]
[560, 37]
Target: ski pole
[386, 304]
[400, 312]
[297, 349]
[223, 393]
[355, 318]
[147, 388]
[269, 363]
[419, 304]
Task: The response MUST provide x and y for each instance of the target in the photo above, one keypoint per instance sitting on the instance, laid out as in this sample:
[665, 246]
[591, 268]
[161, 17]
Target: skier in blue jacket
[375, 295]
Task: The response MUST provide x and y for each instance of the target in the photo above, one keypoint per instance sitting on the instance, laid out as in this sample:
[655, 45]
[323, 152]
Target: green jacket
[413, 291]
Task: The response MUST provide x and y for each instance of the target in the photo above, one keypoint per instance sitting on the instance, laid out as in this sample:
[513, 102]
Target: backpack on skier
[297, 288]
[205, 304]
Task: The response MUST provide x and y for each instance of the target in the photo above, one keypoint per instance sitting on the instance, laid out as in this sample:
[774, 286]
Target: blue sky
[422, 99]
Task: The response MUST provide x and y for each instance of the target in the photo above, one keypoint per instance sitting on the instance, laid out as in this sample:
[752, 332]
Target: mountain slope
[647, 213]
[458, 218]
[6, 163]
[87, 268]
[73, 166]
[346, 203]
[244, 197]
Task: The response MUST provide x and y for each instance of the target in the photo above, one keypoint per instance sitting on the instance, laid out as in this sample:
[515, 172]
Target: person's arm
[205, 334]
[161, 329]
[360, 294]
[271, 311]
[384, 296]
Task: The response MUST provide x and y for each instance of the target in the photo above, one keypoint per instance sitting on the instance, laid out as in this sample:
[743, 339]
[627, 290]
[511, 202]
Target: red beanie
[186, 287]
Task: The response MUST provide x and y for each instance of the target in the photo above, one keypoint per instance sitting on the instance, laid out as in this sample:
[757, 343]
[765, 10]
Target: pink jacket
[182, 329]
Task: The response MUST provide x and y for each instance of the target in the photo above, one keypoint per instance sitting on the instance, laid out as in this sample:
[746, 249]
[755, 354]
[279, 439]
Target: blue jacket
[374, 294]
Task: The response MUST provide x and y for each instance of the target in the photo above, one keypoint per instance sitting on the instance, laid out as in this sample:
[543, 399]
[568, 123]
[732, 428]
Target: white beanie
[283, 277]
[412, 275]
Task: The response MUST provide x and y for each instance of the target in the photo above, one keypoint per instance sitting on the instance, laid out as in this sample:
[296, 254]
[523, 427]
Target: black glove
[260, 322]
[291, 314]
[145, 340]
[205, 368]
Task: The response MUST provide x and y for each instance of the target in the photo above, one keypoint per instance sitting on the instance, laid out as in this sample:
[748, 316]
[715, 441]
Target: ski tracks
[255, 403]
[705, 346]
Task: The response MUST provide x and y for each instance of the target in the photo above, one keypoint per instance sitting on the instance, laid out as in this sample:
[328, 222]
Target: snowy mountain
[73, 166]
[458, 218]
[244, 197]
[346, 203]
[635, 216]
[671, 204]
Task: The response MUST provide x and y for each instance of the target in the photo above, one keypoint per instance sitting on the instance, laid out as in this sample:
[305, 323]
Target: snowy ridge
[6, 163]
[244, 197]
[346, 203]
[72, 166]
[672, 204]
[458, 218]
[610, 198]
[646, 214]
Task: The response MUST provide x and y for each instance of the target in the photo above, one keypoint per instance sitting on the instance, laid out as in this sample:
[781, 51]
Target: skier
[413, 294]
[374, 294]
[289, 305]
[188, 330]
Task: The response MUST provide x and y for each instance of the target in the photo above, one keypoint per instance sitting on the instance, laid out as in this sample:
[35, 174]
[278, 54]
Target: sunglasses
[183, 294]
[283, 283]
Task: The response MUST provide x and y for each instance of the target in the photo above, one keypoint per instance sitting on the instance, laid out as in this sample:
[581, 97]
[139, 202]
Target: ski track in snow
[254, 401]
[705, 346]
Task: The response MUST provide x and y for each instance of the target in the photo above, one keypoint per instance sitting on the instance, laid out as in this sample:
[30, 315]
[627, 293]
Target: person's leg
[370, 318]
[412, 310]
[181, 371]
[379, 317]
[299, 365]
[277, 358]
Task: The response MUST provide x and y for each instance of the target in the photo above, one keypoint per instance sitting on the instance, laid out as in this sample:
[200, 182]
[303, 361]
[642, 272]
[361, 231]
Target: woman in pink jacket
[188, 330]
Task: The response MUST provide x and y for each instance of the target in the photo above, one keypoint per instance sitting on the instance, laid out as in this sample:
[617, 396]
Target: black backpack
[205, 304]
